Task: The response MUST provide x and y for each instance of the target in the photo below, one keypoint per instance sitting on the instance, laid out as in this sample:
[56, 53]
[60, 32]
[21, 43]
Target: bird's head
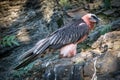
[91, 20]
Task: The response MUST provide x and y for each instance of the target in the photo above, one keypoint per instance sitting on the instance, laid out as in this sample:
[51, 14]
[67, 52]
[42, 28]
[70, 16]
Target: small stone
[118, 55]
[31, 14]
[115, 3]
[109, 12]
[116, 45]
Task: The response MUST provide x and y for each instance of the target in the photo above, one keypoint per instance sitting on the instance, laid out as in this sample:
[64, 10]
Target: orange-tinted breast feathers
[86, 18]
[68, 50]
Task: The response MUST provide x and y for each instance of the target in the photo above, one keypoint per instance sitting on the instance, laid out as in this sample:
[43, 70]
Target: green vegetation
[9, 41]
[107, 4]
[22, 71]
[64, 3]
[105, 29]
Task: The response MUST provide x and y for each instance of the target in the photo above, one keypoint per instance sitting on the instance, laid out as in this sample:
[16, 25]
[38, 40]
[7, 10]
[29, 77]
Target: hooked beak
[96, 20]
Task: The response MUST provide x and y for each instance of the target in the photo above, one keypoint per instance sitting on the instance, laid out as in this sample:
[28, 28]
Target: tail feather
[26, 54]
[33, 53]
[42, 48]
[26, 61]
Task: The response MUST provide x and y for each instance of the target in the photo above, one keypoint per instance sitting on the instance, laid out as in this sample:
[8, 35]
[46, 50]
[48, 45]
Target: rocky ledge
[101, 62]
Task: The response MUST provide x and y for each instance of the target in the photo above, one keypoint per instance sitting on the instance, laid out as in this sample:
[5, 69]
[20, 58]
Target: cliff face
[31, 21]
[101, 62]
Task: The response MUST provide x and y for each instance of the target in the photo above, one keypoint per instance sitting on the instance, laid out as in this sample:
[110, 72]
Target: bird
[65, 39]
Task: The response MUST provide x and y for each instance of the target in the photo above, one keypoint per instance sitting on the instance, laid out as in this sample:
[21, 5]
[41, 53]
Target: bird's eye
[94, 17]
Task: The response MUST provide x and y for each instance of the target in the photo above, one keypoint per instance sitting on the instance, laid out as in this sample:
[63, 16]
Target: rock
[29, 21]
[64, 72]
[109, 12]
[103, 65]
[32, 20]
[76, 13]
[115, 3]
[111, 40]
[107, 62]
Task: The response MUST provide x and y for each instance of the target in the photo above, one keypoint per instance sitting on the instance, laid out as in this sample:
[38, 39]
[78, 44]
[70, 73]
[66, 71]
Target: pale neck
[90, 24]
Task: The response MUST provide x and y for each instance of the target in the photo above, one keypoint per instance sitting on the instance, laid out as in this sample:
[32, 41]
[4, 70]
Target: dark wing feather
[68, 34]
[63, 36]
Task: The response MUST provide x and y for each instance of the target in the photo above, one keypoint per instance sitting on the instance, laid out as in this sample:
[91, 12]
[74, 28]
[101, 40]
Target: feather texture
[66, 35]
